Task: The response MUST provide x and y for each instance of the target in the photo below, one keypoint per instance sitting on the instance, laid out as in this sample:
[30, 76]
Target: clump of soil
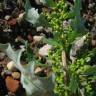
[89, 13]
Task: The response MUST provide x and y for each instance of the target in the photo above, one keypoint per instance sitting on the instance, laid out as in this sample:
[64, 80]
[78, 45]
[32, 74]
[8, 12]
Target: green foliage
[56, 64]
[74, 80]
[85, 74]
[32, 16]
[49, 3]
[64, 36]
[78, 23]
[27, 6]
[78, 84]
[90, 70]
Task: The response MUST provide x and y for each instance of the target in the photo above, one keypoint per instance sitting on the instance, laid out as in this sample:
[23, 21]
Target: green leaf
[42, 21]
[71, 35]
[13, 55]
[35, 18]
[49, 3]
[74, 83]
[32, 15]
[51, 42]
[27, 5]
[78, 23]
[91, 70]
[38, 86]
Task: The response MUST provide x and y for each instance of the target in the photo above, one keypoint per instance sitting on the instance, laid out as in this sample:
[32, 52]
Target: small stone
[11, 66]
[11, 84]
[91, 5]
[2, 55]
[7, 17]
[16, 75]
[11, 94]
[38, 69]
[43, 51]
[6, 72]
[19, 38]
[37, 38]
[38, 2]
[20, 17]
[7, 30]
[40, 29]
[22, 47]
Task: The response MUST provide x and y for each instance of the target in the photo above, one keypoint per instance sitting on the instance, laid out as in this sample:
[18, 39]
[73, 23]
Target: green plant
[64, 38]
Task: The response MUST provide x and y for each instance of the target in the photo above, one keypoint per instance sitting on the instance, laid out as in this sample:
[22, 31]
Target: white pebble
[37, 38]
[11, 65]
[43, 51]
[7, 17]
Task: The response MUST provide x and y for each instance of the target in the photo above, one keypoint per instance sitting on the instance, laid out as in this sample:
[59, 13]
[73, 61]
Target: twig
[64, 61]
[65, 66]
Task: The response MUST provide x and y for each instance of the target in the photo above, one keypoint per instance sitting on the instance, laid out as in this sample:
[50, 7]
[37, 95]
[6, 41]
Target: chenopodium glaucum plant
[33, 84]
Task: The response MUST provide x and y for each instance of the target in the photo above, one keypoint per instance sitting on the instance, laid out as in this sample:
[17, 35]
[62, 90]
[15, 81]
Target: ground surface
[12, 31]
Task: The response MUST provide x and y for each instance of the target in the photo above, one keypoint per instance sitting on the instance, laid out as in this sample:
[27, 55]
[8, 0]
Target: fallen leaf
[11, 84]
